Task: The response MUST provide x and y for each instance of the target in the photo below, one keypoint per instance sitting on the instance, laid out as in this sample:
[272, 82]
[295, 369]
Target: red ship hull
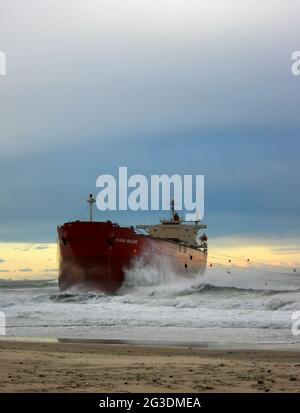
[95, 255]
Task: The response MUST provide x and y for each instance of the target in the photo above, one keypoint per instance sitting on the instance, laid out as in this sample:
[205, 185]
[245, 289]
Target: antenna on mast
[175, 216]
[91, 200]
[172, 205]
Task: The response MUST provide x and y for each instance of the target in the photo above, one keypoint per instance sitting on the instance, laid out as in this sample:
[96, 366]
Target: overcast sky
[160, 86]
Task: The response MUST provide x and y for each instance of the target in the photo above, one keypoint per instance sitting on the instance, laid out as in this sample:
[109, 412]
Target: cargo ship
[94, 256]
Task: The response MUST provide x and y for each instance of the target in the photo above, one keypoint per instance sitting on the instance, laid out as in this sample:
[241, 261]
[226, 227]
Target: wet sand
[96, 367]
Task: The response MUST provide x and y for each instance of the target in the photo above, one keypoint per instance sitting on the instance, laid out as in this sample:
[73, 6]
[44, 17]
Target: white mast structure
[91, 200]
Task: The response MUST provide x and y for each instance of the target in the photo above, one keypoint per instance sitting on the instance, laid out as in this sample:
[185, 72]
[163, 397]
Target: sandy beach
[94, 367]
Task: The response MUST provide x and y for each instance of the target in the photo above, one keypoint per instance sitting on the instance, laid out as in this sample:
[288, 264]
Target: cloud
[111, 68]
[162, 86]
[23, 249]
[284, 251]
[32, 246]
[1, 260]
[4, 270]
[25, 269]
[50, 270]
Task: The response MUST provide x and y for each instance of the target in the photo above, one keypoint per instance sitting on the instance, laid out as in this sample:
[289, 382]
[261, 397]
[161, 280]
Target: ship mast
[91, 200]
[173, 207]
[175, 216]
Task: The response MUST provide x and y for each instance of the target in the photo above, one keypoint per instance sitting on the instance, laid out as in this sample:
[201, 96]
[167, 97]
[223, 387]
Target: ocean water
[247, 306]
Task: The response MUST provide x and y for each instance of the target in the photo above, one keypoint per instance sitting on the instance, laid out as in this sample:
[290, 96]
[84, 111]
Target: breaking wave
[75, 297]
[222, 307]
[27, 283]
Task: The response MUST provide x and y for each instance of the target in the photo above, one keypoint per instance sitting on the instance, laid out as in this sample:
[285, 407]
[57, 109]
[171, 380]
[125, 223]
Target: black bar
[136, 401]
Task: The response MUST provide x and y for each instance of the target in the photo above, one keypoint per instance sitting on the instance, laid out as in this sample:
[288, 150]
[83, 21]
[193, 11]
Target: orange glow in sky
[24, 260]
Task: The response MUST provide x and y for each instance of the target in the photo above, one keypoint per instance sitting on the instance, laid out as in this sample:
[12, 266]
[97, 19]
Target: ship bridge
[177, 230]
